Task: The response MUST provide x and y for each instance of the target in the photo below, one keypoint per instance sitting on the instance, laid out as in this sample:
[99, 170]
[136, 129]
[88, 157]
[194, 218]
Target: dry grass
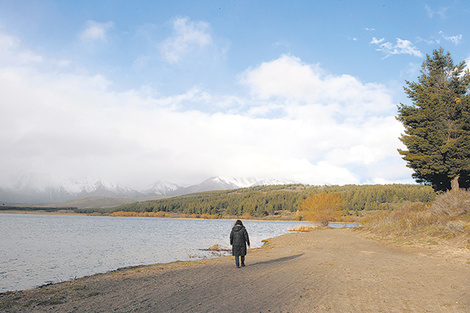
[403, 220]
[303, 228]
[451, 204]
[216, 247]
[447, 217]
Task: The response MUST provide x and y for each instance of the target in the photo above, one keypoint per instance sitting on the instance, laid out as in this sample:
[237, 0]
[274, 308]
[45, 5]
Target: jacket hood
[237, 228]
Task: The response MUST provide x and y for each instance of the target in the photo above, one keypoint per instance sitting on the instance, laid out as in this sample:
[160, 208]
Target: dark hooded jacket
[239, 239]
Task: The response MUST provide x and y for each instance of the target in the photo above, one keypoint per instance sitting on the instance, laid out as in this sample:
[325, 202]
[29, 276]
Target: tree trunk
[454, 185]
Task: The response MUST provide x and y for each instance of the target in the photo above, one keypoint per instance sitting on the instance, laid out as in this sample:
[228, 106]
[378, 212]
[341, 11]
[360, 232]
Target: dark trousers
[237, 260]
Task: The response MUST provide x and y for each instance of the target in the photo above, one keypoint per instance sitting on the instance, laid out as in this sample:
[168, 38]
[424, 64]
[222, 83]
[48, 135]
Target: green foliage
[437, 123]
[274, 200]
[256, 201]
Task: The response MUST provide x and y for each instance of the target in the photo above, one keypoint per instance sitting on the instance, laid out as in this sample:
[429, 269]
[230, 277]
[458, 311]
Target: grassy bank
[447, 217]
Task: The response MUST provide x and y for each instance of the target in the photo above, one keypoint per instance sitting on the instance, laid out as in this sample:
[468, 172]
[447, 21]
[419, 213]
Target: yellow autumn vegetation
[301, 228]
[321, 208]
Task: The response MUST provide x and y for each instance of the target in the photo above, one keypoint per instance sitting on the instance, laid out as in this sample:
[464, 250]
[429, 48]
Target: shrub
[159, 214]
[322, 208]
[452, 203]
[246, 215]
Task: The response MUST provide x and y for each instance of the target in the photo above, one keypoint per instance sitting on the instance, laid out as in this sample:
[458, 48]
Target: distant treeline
[28, 208]
[273, 200]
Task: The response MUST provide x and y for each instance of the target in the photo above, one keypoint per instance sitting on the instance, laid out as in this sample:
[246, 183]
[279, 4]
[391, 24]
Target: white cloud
[8, 42]
[288, 79]
[400, 47]
[281, 43]
[331, 120]
[328, 129]
[431, 13]
[187, 36]
[467, 63]
[11, 52]
[377, 41]
[96, 31]
[430, 41]
[454, 39]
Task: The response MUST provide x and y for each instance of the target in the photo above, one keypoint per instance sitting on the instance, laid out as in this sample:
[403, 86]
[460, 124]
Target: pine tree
[437, 123]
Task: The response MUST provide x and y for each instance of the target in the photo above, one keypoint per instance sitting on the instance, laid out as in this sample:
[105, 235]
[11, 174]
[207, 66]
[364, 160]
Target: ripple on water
[49, 248]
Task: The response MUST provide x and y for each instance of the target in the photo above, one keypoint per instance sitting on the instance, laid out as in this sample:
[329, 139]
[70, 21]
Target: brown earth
[326, 270]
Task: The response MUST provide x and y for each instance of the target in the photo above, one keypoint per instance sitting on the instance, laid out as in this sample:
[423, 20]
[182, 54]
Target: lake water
[40, 249]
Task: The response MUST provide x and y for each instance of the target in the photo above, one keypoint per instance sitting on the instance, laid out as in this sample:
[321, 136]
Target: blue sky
[132, 92]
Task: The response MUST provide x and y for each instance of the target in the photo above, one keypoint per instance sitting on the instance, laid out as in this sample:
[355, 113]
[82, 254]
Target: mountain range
[29, 191]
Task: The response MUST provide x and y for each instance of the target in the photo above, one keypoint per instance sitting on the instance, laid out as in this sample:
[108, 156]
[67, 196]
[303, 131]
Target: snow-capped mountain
[269, 182]
[30, 191]
[228, 183]
[161, 188]
[237, 182]
[109, 190]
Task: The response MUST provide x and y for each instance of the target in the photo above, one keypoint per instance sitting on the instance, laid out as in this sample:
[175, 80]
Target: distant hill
[95, 202]
[257, 201]
[29, 190]
[275, 200]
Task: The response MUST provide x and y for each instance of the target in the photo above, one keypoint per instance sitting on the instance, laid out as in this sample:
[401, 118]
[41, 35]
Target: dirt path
[327, 270]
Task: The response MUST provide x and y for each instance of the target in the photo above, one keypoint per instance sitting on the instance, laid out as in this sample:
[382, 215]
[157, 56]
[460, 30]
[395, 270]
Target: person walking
[239, 239]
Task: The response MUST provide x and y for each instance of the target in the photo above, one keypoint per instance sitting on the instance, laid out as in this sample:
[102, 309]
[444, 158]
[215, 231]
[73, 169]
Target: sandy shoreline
[326, 270]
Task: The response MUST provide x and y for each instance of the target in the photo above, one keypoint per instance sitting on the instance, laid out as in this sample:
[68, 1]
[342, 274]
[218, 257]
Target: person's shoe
[236, 266]
[243, 264]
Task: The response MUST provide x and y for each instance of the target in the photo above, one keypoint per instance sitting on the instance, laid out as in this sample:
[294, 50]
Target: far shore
[176, 216]
[334, 270]
[40, 212]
